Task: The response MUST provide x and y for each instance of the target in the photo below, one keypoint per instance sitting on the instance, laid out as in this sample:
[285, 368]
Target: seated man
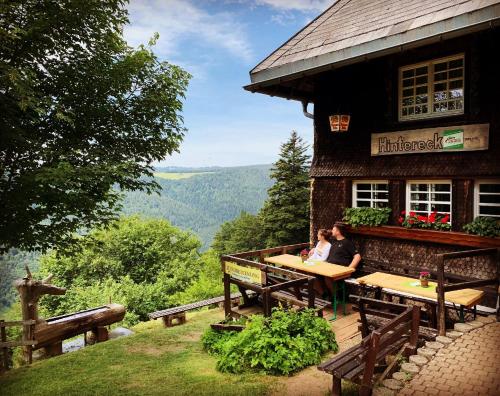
[343, 251]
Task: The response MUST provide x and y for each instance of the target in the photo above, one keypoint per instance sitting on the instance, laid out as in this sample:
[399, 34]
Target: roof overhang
[265, 81]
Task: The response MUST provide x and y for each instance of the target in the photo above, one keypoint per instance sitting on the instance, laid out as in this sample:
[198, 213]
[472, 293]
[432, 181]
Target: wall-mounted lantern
[339, 122]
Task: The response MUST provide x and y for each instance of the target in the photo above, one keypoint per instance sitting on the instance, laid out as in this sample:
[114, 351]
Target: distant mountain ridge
[203, 201]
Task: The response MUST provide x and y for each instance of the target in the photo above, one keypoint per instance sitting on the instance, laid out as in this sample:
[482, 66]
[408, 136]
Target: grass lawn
[178, 176]
[154, 361]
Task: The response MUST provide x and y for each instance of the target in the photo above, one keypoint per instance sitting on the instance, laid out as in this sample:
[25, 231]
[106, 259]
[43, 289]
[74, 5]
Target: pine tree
[285, 214]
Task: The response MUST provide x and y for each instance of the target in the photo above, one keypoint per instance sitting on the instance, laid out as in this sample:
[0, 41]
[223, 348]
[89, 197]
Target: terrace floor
[469, 366]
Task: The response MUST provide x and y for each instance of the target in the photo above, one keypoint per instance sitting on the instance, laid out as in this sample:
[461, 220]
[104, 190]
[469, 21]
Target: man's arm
[355, 261]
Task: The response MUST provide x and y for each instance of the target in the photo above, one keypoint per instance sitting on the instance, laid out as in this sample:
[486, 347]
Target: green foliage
[281, 344]
[366, 216]
[240, 235]
[12, 266]
[80, 112]
[285, 215]
[484, 226]
[141, 264]
[229, 191]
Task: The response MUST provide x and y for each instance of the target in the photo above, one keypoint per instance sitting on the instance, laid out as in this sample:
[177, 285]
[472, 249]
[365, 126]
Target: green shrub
[366, 216]
[281, 344]
[484, 226]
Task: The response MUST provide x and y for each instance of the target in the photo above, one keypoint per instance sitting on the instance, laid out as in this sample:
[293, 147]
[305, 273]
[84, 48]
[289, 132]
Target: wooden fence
[265, 280]
[6, 345]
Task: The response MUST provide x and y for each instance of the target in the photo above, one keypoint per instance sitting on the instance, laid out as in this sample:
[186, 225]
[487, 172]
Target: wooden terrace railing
[444, 287]
[272, 281]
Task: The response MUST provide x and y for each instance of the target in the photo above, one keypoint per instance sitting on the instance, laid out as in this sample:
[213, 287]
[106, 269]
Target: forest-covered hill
[201, 199]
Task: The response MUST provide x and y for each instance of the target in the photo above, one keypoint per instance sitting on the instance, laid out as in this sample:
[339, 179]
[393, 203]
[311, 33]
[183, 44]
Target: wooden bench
[179, 313]
[358, 363]
[374, 314]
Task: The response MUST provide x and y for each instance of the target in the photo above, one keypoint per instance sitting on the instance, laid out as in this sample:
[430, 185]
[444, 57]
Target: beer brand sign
[245, 274]
[432, 140]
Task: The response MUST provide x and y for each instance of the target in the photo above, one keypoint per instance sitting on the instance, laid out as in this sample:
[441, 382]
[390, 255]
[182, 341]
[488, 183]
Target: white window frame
[409, 201]
[371, 200]
[430, 91]
[476, 196]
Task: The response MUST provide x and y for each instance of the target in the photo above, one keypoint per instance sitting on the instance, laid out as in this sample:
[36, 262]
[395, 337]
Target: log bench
[358, 363]
[178, 314]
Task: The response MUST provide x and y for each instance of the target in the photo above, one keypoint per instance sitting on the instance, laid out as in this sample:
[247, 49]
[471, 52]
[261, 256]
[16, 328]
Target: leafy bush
[434, 221]
[366, 216]
[484, 226]
[281, 344]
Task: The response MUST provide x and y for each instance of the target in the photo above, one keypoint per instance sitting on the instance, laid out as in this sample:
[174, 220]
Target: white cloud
[175, 20]
[297, 5]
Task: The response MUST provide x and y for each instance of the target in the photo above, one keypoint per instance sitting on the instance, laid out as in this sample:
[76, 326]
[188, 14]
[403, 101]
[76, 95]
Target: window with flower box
[432, 89]
[426, 197]
[487, 198]
[370, 194]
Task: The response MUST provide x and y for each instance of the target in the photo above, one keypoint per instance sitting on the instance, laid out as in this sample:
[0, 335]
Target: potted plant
[304, 254]
[424, 278]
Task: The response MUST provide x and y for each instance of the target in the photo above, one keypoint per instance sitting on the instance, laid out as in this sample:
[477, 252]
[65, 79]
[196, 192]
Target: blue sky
[219, 42]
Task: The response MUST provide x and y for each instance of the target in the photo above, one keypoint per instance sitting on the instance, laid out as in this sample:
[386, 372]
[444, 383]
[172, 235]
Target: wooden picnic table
[335, 272]
[465, 297]
[314, 267]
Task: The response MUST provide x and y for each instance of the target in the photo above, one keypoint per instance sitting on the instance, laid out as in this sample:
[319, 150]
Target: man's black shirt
[342, 252]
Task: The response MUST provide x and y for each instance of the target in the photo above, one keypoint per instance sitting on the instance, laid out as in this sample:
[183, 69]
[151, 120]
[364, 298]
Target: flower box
[432, 236]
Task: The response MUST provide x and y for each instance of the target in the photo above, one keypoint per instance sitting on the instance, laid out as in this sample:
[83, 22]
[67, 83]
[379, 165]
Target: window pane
[440, 66]
[383, 187]
[380, 195]
[421, 90]
[407, 101]
[408, 73]
[421, 70]
[363, 204]
[421, 99]
[419, 206]
[408, 82]
[440, 76]
[419, 197]
[380, 205]
[440, 197]
[455, 73]
[441, 187]
[441, 207]
[456, 63]
[440, 87]
[456, 84]
[489, 210]
[440, 96]
[456, 93]
[363, 186]
[421, 80]
[419, 187]
[364, 195]
[490, 199]
[408, 92]
[489, 188]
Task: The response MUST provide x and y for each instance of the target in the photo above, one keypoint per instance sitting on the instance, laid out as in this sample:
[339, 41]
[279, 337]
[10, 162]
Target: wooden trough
[49, 333]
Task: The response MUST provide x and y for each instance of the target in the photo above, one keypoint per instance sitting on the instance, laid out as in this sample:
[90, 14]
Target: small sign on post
[245, 274]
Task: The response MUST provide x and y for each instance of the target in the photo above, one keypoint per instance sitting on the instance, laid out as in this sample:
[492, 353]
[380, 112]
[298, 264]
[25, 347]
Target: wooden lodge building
[420, 84]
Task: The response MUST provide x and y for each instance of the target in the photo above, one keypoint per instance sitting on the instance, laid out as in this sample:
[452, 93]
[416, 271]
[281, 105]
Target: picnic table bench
[358, 363]
[179, 313]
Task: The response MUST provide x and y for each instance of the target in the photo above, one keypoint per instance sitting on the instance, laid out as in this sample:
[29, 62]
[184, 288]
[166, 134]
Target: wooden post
[310, 292]
[227, 295]
[441, 296]
[415, 325]
[5, 350]
[371, 359]
[336, 386]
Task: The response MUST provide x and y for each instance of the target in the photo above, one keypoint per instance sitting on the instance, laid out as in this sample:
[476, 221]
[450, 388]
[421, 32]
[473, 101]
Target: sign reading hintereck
[245, 274]
[431, 140]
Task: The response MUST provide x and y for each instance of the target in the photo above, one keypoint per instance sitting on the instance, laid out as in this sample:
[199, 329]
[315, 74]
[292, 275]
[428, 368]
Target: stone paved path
[469, 366]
